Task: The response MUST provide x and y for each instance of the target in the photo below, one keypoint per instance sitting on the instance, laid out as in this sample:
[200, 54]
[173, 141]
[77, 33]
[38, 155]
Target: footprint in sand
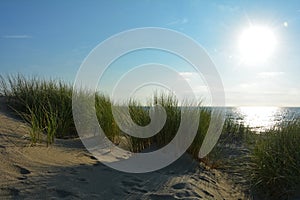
[180, 186]
[82, 179]
[92, 157]
[138, 190]
[185, 190]
[187, 195]
[207, 193]
[134, 185]
[63, 193]
[204, 178]
[162, 197]
[22, 170]
[22, 178]
[131, 183]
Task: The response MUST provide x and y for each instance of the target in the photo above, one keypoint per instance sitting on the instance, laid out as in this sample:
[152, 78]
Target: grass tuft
[45, 105]
[275, 162]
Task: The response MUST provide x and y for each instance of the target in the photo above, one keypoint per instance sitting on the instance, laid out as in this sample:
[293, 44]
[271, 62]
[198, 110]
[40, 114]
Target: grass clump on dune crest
[45, 105]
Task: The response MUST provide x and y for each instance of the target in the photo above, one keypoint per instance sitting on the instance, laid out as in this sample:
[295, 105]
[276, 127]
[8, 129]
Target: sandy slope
[66, 170]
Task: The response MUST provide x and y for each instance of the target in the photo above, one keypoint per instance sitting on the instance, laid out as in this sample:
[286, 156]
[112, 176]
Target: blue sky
[52, 38]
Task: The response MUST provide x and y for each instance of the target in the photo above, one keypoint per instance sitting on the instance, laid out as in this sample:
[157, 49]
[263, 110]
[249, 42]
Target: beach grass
[45, 104]
[267, 163]
[275, 162]
[103, 107]
[139, 114]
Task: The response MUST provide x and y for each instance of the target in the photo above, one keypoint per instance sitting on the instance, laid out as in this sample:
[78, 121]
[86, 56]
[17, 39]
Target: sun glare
[259, 117]
[256, 44]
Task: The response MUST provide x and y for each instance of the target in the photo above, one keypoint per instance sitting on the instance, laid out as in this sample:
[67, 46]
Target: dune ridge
[65, 170]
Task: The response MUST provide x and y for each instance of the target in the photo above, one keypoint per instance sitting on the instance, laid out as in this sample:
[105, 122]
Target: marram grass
[45, 105]
[275, 162]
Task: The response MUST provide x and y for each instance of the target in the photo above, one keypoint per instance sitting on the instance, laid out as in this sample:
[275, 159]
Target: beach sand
[65, 170]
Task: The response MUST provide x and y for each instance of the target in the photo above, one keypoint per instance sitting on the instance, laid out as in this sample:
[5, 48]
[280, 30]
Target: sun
[256, 44]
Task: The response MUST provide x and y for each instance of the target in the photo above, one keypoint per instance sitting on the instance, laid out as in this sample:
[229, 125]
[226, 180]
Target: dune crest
[67, 170]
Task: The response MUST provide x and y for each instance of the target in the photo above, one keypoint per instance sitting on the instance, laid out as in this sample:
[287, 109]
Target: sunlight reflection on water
[259, 117]
[262, 118]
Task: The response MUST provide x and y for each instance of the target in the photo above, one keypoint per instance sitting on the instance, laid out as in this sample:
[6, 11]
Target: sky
[52, 39]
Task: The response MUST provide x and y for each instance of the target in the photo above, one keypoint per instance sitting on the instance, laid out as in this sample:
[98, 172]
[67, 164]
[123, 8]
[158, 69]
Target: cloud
[179, 22]
[266, 88]
[266, 75]
[227, 8]
[187, 75]
[16, 36]
[263, 82]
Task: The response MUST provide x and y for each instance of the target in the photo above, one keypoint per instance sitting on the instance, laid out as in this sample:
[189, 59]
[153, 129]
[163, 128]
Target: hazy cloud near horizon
[16, 36]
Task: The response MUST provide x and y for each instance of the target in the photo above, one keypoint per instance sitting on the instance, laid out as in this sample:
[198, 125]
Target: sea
[260, 119]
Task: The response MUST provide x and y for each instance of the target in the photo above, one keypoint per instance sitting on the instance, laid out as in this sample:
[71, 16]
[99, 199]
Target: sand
[65, 170]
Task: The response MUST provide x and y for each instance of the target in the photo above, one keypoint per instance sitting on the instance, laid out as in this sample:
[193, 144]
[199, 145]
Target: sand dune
[66, 170]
